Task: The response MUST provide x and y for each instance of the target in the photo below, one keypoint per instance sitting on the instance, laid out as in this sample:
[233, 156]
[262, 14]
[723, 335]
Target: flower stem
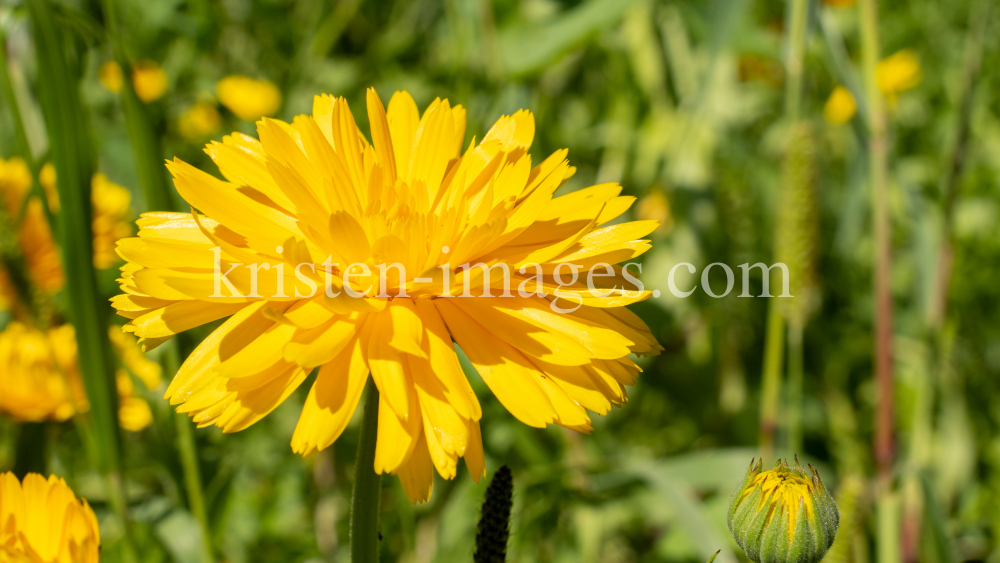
[798, 15]
[72, 152]
[192, 480]
[145, 143]
[189, 461]
[794, 416]
[366, 500]
[879, 162]
[31, 450]
[774, 347]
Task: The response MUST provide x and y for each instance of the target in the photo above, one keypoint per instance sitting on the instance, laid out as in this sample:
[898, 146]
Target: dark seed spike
[494, 524]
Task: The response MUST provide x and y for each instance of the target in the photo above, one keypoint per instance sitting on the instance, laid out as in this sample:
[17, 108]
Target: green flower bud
[783, 515]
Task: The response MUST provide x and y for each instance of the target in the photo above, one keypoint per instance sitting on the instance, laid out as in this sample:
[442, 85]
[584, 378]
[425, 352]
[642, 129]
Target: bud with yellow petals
[784, 515]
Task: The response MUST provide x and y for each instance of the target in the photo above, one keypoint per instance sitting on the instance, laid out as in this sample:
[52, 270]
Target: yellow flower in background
[316, 192]
[148, 371]
[840, 107]
[41, 520]
[199, 121]
[111, 205]
[149, 80]
[41, 381]
[38, 369]
[110, 209]
[38, 374]
[134, 413]
[47, 177]
[249, 99]
[897, 73]
[110, 75]
[654, 206]
[34, 235]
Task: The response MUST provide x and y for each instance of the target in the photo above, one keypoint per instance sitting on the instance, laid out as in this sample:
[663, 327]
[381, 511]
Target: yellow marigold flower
[38, 374]
[249, 99]
[200, 120]
[34, 235]
[41, 380]
[784, 515]
[314, 196]
[149, 80]
[898, 72]
[840, 107]
[42, 520]
[110, 75]
[110, 211]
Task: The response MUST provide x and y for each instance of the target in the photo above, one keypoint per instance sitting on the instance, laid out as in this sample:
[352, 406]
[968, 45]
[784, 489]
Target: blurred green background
[684, 102]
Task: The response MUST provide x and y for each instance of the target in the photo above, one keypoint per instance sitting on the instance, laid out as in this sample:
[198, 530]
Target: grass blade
[145, 144]
[71, 150]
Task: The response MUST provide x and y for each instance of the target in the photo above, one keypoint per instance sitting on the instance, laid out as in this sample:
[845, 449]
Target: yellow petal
[397, 438]
[474, 460]
[417, 474]
[403, 119]
[381, 135]
[332, 400]
[505, 370]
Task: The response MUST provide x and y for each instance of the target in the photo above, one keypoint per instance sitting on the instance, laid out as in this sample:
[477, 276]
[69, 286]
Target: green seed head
[784, 515]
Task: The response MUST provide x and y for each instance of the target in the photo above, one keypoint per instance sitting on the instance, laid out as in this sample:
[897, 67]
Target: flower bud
[783, 515]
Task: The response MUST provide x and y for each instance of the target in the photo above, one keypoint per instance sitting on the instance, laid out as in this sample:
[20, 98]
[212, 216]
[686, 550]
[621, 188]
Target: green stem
[774, 346]
[798, 23]
[879, 171]
[72, 154]
[366, 499]
[192, 480]
[119, 504]
[794, 417]
[188, 450]
[887, 528]
[8, 96]
[145, 143]
[31, 446]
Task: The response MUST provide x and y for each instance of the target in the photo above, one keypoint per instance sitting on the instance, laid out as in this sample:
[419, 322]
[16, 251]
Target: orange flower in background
[316, 193]
[249, 99]
[41, 520]
[34, 235]
[840, 3]
[110, 209]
